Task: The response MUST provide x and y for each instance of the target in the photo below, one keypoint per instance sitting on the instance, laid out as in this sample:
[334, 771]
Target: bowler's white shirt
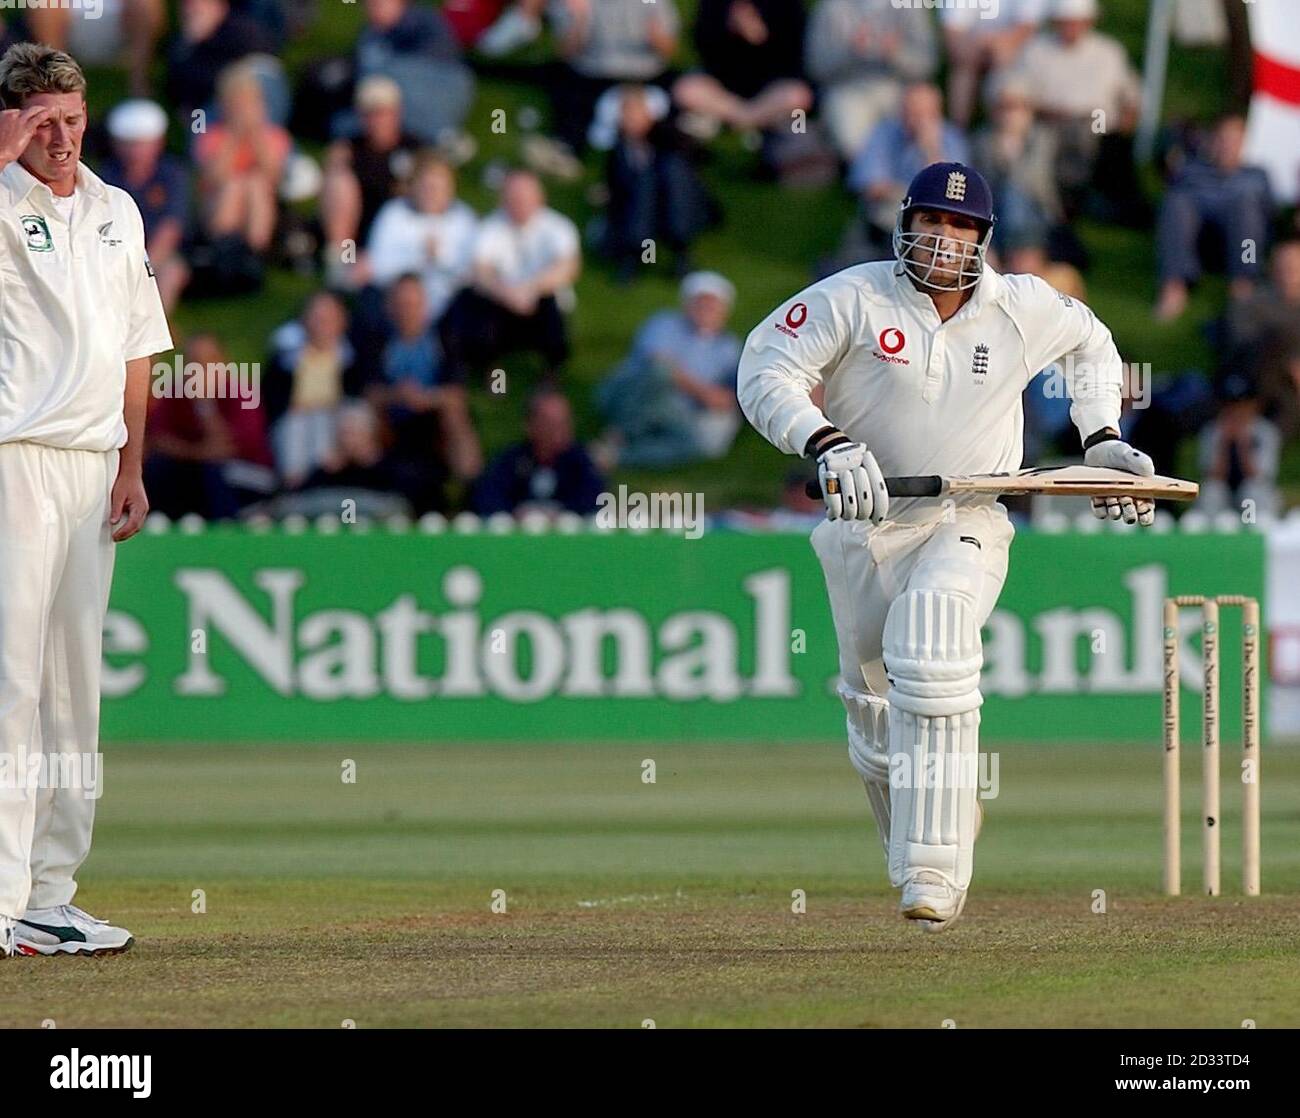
[920, 393]
[520, 253]
[76, 304]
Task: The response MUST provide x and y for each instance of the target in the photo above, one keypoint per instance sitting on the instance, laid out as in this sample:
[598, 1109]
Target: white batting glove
[1118, 455]
[851, 482]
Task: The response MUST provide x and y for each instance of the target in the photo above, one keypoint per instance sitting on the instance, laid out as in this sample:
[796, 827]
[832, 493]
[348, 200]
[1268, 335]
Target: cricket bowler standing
[80, 317]
[923, 360]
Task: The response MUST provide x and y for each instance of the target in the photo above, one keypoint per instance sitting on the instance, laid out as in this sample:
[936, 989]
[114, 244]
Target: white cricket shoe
[67, 930]
[7, 945]
[931, 900]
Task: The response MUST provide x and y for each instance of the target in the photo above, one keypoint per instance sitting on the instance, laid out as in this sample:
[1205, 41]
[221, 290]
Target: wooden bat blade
[1076, 481]
[1066, 481]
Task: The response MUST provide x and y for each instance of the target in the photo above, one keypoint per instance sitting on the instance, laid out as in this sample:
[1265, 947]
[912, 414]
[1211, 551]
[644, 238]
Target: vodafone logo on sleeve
[890, 342]
[795, 317]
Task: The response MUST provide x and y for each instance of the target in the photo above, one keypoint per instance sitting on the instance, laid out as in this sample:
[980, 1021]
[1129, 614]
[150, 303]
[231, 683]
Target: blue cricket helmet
[934, 262]
[953, 187]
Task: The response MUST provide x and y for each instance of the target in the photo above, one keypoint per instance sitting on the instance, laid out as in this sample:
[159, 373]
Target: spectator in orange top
[241, 160]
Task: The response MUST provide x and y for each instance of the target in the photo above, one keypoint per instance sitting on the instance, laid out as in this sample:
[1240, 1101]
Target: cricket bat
[1066, 481]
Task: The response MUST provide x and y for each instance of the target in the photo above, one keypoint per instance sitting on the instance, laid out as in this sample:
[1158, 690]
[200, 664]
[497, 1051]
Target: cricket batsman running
[80, 317]
[923, 360]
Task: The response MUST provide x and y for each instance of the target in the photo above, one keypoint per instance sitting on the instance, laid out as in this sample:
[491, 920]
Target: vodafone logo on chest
[795, 317]
[889, 343]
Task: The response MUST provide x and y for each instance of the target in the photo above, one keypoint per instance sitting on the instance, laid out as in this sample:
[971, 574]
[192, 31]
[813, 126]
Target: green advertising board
[227, 635]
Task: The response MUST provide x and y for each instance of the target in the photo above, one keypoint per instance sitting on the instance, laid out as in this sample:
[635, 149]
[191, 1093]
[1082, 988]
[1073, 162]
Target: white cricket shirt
[520, 253]
[399, 243]
[77, 302]
[924, 396]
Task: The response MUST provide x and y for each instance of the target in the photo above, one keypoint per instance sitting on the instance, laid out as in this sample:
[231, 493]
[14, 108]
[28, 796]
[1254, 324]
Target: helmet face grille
[965, 266]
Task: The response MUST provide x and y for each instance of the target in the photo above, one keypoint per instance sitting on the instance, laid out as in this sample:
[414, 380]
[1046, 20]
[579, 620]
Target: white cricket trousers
[867, 567]
[56, 565]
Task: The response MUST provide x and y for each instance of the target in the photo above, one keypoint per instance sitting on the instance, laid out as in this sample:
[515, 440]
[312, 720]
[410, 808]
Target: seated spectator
[655, 193]
[1221, 195]
[1085, 88]
[898, 149]
[548, 472]
[211, 38]
[414, 47]
[311, 371]
[355, 461]
[752, 57]
[979, 41]
[159, 185]
[526, 257]
[860, 54]
[113, 31]
[241, 160]
[424, 404]
[206, 456]
[1263, 338]
[430, 233]
[604, 43]
[1018, 157]
[673, 400]
[1239, 453]
[363, 173]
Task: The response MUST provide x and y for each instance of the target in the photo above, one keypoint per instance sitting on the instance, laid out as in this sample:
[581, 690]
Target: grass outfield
[370, 902]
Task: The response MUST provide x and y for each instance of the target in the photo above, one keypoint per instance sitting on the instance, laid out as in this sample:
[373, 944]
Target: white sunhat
[1075, 9]
[137, 119]
[708, 283]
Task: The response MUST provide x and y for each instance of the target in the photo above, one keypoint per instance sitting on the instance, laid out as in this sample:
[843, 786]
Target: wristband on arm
[1105, 435]
[824, 439]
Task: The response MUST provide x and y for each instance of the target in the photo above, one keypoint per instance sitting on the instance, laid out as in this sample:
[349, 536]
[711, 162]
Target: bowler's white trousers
[56, 565]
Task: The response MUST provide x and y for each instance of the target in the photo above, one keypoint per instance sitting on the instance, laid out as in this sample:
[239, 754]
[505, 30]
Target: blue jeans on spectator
[658, 198]
[1237, 206]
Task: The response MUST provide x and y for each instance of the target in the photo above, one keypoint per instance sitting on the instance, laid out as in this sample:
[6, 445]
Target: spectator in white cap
[364, 172]
[158, 183]
[673, 399]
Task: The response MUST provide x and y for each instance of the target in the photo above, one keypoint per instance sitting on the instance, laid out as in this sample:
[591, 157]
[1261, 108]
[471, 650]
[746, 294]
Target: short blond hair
[29, 68]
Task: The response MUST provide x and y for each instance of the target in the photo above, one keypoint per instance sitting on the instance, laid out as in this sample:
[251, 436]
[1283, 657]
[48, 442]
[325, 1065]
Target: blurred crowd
[347, 171]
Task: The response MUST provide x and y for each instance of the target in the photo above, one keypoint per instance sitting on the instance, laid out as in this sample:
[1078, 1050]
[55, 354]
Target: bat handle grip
[922, 485]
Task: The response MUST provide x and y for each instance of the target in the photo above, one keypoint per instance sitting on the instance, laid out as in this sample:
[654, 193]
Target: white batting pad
[933, 656]
[867, 718]
[934, 796]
